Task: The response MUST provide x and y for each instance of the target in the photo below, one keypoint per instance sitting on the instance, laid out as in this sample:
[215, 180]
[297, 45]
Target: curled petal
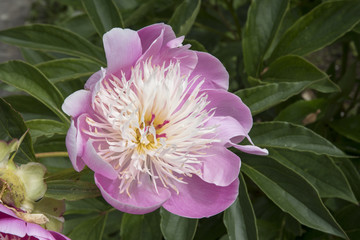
[198, 199]
[143, 197]
[151, 33]
[251, 149]
[77, 103]
[14, 226]
[37, 231]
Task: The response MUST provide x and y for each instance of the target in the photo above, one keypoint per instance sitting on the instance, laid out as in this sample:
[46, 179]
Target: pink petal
[38, 232]
[177, 42]
[77, 103]
[221, 166]
[143, 199]
[122, 49]
[99, 75]
[12, 226]
[251, 149]
[96, 163]
[210, 69]
[58, 236]
[150, 33]
[229, 105]
[198, 199]
[5, 211]
[154, 48]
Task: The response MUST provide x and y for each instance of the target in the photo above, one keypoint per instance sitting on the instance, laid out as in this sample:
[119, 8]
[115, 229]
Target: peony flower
[14, 228]
[155, 126]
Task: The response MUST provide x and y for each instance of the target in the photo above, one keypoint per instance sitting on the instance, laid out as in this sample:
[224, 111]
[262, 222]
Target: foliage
[305, 102]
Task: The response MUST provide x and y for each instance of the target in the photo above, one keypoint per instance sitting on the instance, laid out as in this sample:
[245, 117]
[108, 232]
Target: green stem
[51, 154]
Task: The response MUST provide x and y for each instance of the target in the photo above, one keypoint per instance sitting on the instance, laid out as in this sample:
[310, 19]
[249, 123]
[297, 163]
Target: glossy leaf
[296, 69]
[263, 22]
[174, 227]
[103, 14]
[71, 190]
[29, 79]
[351, 173]
[285, 135]
[319, 28]
[12, 126]
[54, 39]
[348, 127]
[261, 98]
[45, 127]
[316, 170]
[184, 16]
[91, 229]
[141, 227]
[292, 193]
[239, 218]
[67, 69]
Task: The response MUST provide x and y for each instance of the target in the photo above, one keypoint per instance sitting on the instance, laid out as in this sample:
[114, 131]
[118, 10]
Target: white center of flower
[152, 123]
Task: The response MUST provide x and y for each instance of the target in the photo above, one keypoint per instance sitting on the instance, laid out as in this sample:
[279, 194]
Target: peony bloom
[155, 125]
[14, 228]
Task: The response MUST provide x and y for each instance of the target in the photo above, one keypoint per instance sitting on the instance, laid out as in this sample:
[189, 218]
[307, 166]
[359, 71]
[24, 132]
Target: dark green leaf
[104, 15]
[45, 127]
[261, 98]
[51, 38]
[319, 28]
[71, 190]
[293, 137]
[184, 16]
[67, 69]
[297, 69]
[263, 21]
[349, 219]
[91, 229]
[80, 24]
[141, 227]
[12, 126]
[316, 170]
[239, 218]
[34, 57]
[174, 227]
[351, 173]
[291, 193]
[348, 127]
[29, 79]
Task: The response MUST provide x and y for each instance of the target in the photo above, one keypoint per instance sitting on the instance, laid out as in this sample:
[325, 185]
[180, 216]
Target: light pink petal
[150, 33]
[210, 69]
[228, 104]
[144, 198]
[122, 49]
[154, 48]
[58, 236]
[220, 166]
[5, 211]
[96, 163]
[12, 226]
[77, 103]
[251, 149]
[177, 42]
[198, 199]
[38, 232]
[72, 147]
[96, 77]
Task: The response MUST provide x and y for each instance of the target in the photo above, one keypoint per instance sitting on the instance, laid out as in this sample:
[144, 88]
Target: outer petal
[251, 149]
[221, 166]
[122, 49]
[38, 232]
[210, 69]
[143, 198]
[199, 199]
[150, 33]
[58, 236]
[12, 226]
[96, 163]
[77, 103]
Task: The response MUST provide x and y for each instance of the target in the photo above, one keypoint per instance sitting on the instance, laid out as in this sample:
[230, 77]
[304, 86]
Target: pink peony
[155, 125]
[14, 228]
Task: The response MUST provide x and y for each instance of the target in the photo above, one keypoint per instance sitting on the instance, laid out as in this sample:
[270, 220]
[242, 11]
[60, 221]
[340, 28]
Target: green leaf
[71, 190]
[348, 127]
[45, 127]
[34, 57]
[349, 219]
[261, 98]
[263, 21]
[285, 135]
[29, 79]
[184, 16]
[298, 112]
[316, 170]
[291, 193]
[319, 28]
[239, 218]
[174, 227]
[104, 15]
[297, 69]
[67, 69]
[55, 39]
[91, 229]
[12, 126]
[80, 24]
[351, 173]
[141, 227]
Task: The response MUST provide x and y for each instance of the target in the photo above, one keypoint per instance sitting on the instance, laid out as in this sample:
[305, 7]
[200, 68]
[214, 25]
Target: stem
[229, 4]
[51, 154]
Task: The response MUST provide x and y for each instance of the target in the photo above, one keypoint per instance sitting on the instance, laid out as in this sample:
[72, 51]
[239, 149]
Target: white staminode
[152, 123]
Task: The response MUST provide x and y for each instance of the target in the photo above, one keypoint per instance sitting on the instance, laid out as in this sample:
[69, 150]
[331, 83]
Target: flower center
[4, 236]
[153, 123]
